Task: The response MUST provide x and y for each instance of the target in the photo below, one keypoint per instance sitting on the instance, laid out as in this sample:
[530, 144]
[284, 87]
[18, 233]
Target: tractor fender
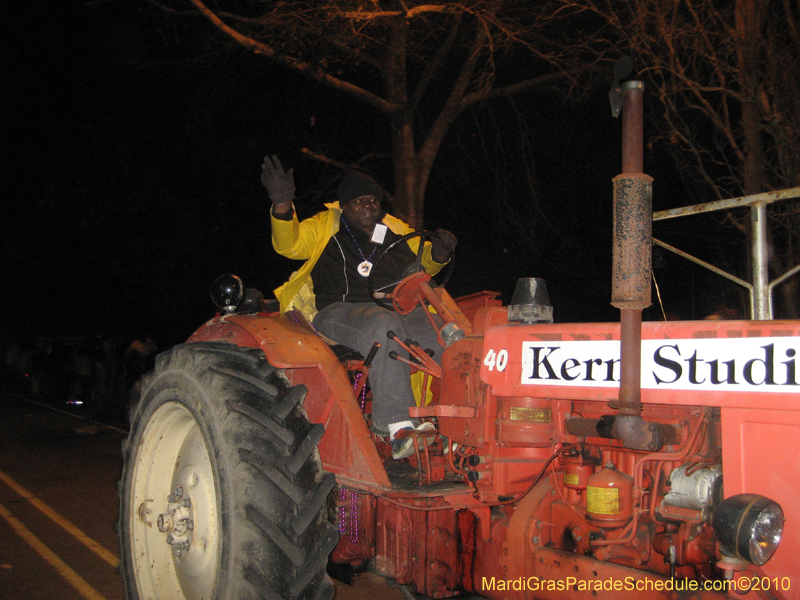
[286, 345]
[347, 448]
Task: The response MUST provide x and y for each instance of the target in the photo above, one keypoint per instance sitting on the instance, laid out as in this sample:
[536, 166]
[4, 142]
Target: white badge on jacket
[379, 233]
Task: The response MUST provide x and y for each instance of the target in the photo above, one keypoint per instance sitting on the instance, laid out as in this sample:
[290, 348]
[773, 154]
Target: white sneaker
[403, 448]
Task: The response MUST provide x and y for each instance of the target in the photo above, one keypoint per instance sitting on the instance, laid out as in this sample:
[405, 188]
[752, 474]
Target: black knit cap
[356, 185]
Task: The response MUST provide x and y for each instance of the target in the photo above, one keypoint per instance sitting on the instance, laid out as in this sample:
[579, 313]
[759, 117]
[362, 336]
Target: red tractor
[567, 460]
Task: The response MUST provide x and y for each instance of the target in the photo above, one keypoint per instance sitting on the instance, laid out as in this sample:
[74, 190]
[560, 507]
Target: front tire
[223, 495]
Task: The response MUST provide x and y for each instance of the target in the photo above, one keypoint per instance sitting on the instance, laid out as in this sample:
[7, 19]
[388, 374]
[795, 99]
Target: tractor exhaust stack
[632, 268]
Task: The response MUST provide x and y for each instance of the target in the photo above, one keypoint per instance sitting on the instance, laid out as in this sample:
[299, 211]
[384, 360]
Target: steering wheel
[412, 269]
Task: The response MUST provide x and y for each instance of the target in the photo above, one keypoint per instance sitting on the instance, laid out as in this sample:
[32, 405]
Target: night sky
[133, 151]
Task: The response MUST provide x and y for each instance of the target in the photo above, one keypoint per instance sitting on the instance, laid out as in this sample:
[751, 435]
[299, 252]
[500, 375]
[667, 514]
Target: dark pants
[358, 326]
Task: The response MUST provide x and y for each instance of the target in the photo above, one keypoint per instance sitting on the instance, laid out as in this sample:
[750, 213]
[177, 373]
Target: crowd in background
[99, 376]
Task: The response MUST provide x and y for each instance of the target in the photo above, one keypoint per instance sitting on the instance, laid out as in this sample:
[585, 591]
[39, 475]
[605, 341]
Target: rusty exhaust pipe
[632, 269]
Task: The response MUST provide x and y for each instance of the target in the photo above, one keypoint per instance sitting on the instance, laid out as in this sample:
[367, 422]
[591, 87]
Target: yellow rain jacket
[307, 240]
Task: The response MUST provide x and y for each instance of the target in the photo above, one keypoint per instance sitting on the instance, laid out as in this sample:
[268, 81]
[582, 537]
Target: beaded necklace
[365, 267]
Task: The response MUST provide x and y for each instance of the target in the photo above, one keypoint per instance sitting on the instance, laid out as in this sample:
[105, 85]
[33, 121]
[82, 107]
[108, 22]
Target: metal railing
[761, 289]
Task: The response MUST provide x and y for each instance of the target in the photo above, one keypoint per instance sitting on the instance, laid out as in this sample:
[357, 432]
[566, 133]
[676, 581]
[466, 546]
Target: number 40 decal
[496, 359]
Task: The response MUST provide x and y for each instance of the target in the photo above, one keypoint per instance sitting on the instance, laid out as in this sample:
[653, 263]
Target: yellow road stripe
[75, 580]
[95, 547]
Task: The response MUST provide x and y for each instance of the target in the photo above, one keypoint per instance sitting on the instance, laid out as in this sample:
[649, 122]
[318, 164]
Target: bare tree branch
[297, 65]
[421, 64]
[726, 77]
[409, 14]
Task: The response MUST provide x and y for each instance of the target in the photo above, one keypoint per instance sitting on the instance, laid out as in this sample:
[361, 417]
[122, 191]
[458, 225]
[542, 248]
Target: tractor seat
[342, 352]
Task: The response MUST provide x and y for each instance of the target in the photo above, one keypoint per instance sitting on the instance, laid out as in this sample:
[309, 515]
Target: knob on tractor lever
[371, 355]
[412, 362]
[415, 351]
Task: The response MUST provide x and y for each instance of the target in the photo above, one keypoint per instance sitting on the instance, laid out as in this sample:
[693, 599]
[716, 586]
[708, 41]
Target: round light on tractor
[227, 292]
[749, 527]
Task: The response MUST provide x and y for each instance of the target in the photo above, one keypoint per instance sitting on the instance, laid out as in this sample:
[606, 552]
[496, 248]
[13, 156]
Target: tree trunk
[749, 24]
[748, 31]
[747, 28]
[409, 192]
[407, 202]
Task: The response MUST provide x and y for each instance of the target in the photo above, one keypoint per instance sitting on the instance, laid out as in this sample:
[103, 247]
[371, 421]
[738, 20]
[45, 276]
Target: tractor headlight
[749, 527]
[227, 292]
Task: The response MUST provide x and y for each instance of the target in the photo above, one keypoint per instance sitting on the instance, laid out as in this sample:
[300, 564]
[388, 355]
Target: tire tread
[276, 488]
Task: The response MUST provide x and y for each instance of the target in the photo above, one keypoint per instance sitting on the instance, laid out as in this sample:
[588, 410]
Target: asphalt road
[59, 506]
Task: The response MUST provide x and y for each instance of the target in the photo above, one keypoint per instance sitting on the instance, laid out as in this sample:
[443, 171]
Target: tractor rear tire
[223, 495]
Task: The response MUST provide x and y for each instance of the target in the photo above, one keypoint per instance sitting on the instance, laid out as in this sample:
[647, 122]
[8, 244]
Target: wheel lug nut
[189, 524]
[170, 540]
[187, 503]
[176, 494]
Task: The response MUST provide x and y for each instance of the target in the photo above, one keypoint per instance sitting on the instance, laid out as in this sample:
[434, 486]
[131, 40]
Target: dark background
[132, 155]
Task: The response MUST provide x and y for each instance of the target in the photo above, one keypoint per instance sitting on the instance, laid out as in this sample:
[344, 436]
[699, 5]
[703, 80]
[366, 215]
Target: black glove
[442, 245]
[279, 183]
